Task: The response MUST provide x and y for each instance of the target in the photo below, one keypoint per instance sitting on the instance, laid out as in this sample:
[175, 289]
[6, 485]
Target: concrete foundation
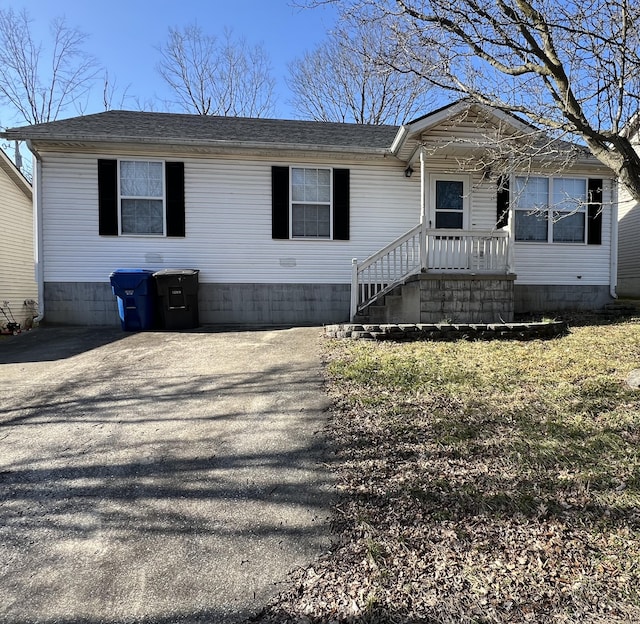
[424, 298]
[629, 287]
[82, 303]
[533, 298]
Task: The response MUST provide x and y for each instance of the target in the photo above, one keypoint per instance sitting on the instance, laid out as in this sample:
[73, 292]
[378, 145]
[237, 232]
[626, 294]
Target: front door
[449, 195]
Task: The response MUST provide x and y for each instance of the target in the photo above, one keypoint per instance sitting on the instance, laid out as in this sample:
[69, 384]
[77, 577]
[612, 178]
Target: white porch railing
[438, 251]
[467, 251]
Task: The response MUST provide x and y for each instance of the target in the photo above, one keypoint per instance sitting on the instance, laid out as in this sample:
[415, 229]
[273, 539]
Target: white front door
[449, 201]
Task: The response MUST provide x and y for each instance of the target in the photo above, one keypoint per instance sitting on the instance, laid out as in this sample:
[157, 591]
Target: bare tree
[39, 83]
[213, 77]
[568, 66]
[347, 79]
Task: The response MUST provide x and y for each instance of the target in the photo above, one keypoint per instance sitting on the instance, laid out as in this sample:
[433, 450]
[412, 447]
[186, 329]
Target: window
[570, 206]
[449, 204]
[310, 203]
[550, 209]
[141, 197]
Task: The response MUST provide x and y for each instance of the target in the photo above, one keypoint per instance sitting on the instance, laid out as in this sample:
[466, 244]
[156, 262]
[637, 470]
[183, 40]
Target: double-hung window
[311, 209]
[142, 197]
[551, 209]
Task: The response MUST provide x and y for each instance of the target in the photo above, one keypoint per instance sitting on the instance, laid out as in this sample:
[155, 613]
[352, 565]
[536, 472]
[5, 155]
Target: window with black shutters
[310, 203]
[141, 198]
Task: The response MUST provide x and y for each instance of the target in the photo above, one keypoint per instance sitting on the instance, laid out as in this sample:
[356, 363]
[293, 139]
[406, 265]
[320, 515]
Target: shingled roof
[141, 127]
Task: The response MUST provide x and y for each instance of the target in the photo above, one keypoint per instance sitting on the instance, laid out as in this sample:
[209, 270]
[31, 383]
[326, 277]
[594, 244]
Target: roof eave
[257, 145]
[6, 164]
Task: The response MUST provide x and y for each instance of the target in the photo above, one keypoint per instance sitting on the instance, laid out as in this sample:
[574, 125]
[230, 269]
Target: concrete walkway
[157, 477]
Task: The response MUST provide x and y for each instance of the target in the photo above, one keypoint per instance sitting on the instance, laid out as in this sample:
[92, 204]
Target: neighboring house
[272, 212]
[628, 245]
[18, 290]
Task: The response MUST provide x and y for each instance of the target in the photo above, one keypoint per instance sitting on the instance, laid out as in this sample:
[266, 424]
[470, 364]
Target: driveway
[158, 477]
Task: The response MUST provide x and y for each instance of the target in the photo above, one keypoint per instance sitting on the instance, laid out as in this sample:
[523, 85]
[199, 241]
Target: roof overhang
[125, 145]
[412, 132]
[16, 176]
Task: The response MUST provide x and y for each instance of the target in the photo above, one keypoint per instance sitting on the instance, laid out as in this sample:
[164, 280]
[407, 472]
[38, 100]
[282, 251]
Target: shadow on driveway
[159, 477]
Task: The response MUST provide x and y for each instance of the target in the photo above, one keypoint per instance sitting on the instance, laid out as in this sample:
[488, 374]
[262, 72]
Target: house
[628, 245]
[18, 290]
[308, 222]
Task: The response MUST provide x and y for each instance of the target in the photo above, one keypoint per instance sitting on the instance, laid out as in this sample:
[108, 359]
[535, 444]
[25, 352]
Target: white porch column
[423, 213]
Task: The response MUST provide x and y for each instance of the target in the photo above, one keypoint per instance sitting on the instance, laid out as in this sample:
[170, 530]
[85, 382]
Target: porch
[431, 275]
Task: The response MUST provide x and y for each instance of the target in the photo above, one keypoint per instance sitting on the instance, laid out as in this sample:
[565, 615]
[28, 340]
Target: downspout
[37, 230]
[613, 266]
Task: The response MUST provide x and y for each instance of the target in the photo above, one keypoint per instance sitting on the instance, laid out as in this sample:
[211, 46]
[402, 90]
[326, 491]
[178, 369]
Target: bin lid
[131, 272]
[164, 272]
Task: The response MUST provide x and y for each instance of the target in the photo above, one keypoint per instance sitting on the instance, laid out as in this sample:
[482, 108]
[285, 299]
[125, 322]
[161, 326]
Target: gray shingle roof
[134, 126]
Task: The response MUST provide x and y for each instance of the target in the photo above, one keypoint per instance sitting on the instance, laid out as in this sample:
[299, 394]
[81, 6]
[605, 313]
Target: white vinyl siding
[17, 281]
[228, 223]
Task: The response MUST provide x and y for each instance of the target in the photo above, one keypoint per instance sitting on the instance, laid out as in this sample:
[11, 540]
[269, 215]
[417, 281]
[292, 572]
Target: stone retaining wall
[445, 331]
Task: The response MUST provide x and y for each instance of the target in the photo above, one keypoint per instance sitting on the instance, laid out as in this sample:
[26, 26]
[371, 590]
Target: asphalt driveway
[158, 477]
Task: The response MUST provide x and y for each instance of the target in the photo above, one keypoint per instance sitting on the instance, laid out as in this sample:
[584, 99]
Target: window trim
[315, 203]
[120, 197]
[584, 209]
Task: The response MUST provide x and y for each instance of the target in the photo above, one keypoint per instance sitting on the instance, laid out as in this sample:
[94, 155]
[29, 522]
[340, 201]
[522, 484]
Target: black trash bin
[135, 291]
[177, 298]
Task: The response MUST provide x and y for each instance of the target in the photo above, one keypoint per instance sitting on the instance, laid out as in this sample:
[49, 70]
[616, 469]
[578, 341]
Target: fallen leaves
[481, 483]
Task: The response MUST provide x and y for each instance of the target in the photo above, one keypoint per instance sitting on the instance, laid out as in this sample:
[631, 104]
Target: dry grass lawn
[482, 482]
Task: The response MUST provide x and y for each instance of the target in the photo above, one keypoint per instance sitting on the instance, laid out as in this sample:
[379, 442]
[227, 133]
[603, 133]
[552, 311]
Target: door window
[449, 204]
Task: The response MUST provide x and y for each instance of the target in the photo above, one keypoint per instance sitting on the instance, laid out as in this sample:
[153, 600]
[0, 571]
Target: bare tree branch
[39, 84]
[568, 66]
[212, 77]
[345, 79]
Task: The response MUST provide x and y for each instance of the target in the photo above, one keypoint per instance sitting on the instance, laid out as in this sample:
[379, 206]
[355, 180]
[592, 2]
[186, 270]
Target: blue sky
[123, 36]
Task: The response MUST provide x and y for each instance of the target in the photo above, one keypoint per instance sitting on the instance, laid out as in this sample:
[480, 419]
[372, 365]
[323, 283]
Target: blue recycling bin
[136, 295]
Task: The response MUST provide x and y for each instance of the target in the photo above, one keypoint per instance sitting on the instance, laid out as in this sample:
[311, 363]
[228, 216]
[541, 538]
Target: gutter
[613, 265]
[37, 230]
[399, 139]
[16, 135]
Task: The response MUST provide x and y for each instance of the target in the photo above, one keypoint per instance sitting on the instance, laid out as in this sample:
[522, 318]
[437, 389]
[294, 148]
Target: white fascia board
[399, 139]
[226, 145]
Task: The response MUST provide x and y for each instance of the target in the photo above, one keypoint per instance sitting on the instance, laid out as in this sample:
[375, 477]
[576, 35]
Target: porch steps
[382, 309]
[444, 298]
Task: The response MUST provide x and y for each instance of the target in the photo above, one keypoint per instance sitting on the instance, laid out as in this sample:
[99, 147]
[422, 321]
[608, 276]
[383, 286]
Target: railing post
[510, 255]
[423, 249]
[354, 289]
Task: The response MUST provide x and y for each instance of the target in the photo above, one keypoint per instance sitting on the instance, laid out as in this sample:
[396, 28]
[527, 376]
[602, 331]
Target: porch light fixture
[408, 172]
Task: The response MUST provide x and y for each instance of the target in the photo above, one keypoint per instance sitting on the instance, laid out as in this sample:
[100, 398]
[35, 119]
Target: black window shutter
[174, 178]
[341, 204]
[502, 204]
[280, 202]
[108, 197]
[594, 212]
